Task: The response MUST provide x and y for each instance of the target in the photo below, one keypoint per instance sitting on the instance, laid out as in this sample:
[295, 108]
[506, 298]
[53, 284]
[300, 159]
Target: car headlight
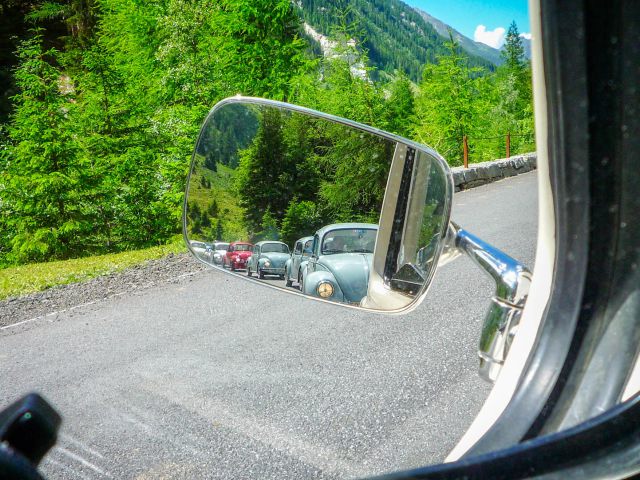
[267, 263]
[325, 289]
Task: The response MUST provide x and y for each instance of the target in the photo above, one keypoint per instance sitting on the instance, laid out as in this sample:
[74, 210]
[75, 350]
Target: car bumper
[272, 270]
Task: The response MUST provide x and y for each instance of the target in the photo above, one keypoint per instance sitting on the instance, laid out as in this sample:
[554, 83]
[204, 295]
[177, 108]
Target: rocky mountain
[473, 47]
[395, 35]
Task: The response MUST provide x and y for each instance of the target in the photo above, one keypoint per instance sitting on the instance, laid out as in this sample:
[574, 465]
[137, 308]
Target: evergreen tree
[213, 208]
[42, 196]
[513, 49]
[400, 107]
[268, 227]
[301, 219]
[447, 107]
[262, 51]
[219, 230]
[262, 165]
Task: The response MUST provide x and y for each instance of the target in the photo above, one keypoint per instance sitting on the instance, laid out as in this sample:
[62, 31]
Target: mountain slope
[396, 36]
[474, 48]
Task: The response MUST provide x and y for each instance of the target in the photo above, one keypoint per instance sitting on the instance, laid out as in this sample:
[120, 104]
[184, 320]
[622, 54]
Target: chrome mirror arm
[512, 281]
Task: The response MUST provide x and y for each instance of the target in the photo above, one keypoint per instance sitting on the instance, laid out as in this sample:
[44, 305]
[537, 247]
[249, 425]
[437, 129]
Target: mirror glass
[298, 199]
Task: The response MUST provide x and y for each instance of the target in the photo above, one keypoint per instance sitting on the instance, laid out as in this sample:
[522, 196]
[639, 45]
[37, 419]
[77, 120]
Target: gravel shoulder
[141, 277]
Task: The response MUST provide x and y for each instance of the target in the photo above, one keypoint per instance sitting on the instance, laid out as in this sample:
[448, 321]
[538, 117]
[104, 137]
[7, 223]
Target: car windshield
[198, 245]
[222, 246]
[275, 247]
[349, 240]
[243, 247]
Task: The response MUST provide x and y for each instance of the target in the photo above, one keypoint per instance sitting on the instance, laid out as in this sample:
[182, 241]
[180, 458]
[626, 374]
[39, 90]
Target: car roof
[340, 226]
[240, 243]
[304, 239]
[269, 241]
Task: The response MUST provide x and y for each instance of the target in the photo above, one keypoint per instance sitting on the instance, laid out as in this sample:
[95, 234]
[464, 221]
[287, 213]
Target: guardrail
[486, 172]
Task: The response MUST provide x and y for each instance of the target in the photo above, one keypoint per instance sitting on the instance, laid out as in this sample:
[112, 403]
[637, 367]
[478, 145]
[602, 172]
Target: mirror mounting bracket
[512, 280]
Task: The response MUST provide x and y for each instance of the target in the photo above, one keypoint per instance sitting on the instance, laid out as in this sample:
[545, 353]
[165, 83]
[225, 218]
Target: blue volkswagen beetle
[296, 264]
[338, 269]
[268, 258]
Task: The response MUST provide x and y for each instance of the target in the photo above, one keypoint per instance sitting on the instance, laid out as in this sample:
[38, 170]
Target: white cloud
[526, 36]
[493, 38]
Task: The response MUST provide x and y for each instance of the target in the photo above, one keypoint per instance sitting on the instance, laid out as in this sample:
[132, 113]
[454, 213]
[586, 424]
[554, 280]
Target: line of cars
[334, 263]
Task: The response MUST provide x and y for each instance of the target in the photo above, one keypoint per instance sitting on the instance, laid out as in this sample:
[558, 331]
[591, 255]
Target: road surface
[214, 376]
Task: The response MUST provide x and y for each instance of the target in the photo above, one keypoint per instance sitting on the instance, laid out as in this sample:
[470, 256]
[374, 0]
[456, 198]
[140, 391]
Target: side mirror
[378, 204]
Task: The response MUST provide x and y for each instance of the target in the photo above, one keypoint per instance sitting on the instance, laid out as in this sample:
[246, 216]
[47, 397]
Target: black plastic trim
[563, 27]
[399, 218]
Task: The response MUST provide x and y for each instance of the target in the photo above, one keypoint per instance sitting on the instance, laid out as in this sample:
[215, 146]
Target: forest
[103, 99]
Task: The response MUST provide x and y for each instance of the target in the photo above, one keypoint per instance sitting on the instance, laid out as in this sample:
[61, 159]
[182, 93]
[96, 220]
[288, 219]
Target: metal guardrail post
[465, 150]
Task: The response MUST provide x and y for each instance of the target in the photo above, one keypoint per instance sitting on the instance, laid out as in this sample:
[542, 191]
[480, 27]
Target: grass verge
[36, 277]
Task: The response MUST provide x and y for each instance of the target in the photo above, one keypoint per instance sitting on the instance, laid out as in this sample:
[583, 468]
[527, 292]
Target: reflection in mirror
[414, 215]
[293, 198]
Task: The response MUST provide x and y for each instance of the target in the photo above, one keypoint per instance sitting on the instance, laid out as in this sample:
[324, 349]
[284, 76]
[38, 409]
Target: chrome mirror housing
[512, 280]
[265, 174]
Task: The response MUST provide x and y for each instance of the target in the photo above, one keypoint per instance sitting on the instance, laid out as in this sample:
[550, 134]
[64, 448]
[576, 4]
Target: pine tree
[513, 50]
[447, 107]
[42, 197]
[400, 107]
[258, 178]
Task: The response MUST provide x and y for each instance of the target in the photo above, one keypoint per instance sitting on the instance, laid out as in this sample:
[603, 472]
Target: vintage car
[218, 252]
[298, 261]
[237, 255]
[268, 258]
[338, 269]
[200, 249]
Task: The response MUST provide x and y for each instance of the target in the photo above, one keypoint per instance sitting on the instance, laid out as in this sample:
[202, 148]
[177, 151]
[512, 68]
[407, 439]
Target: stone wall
[481, 173]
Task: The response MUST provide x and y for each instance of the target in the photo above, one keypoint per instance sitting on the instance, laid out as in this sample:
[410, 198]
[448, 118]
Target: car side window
[230, 249]
[308, 247]
[316, 244]
[298, 249]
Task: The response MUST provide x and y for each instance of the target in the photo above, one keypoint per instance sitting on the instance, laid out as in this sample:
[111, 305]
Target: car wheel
[233, 267]
[289, 281]
[260, 274]
[281, 277]
[248, 271]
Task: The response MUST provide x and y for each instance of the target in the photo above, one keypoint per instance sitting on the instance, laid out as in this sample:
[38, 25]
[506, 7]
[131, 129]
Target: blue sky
[470, 16]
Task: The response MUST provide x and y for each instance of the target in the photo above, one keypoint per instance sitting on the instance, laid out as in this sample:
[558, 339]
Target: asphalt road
[213, 376]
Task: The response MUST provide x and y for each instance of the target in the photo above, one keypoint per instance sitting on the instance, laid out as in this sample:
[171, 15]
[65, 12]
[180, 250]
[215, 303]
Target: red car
[237, 255]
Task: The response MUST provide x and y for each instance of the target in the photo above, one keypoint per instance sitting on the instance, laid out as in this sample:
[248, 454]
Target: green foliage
[275, 168]
[395, 37]
[34, 277]
[401, 108]
[301, 219]
[261, 48]
[94, 156]
[268, 228]
[449, 103]
[43, 192]
[513, 50]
